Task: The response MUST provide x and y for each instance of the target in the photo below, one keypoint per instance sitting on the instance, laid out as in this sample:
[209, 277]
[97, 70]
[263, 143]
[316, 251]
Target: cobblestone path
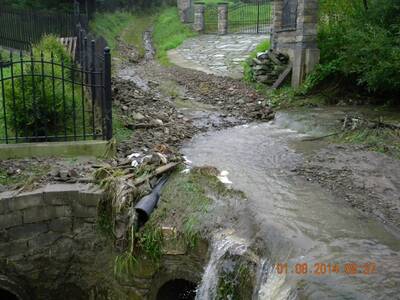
[216, 54]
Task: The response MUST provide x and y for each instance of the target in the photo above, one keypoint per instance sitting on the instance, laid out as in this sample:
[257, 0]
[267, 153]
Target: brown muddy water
[302, 224]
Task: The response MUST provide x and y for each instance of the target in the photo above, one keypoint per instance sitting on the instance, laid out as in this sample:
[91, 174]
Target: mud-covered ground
[168, 105]
[366, 180]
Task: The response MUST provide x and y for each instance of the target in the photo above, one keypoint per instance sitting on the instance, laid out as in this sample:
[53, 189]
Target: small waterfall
[221, 245]
[271, 285]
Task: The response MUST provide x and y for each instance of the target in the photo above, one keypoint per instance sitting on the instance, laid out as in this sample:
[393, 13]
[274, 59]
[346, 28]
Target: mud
[367, 180]
[169, 105]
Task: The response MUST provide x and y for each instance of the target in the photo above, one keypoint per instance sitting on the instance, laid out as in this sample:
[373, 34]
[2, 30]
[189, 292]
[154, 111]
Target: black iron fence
[251, 16]
[20, 28]
[44, 97]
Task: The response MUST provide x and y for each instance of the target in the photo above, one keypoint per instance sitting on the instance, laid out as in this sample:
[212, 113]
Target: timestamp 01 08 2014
[321, 269]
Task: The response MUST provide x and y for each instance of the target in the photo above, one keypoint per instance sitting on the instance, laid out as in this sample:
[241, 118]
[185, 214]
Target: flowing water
[222, 244]
[301, 223]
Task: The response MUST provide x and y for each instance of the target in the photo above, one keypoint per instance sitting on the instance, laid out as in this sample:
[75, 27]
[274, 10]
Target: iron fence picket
[21, 28]
[251, 17]
[30, 115]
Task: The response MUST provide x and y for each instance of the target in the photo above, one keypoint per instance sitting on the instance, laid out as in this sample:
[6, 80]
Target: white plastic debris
[134, 164]
[188, 162]
[223, 177]
[163, 158]
[134, 155]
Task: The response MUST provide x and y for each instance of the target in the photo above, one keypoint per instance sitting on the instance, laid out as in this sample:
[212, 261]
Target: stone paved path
[215, 54]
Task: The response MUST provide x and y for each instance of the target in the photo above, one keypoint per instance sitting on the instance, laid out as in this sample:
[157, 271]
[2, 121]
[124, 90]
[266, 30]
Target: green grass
[381, 140]
[169, 33]
[25, 177]
[127, 26]
[121, 133]
[44, 113]
[111, 25]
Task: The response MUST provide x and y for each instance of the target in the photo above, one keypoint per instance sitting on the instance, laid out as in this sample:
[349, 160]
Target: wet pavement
[216, 54]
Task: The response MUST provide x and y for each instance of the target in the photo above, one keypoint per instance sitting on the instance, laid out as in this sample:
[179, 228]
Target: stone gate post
[306, 54]
[199, 10]
[295, 34]
[184, 7]
[223, 18]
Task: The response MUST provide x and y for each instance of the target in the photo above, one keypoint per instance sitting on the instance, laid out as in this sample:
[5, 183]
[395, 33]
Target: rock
[138, 116]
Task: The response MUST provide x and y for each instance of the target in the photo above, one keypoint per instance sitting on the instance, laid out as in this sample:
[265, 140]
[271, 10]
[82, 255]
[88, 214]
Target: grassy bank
[125, 26]
[169, 33]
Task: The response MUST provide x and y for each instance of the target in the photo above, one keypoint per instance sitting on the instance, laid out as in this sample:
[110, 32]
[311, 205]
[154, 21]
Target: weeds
[169, 33]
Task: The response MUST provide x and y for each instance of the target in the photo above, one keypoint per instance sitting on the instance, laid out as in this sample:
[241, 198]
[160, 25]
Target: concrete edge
[58, 149]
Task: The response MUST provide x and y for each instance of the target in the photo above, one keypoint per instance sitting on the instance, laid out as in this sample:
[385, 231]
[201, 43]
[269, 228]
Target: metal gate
[251, 16]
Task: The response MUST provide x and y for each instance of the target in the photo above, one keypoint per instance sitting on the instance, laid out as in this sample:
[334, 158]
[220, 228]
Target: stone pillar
[277, 21]
[199, 9]
[223, 18]
[184, 10]
[306, 53]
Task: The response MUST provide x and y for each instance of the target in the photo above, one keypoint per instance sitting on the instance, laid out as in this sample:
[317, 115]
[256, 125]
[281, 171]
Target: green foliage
[36, 109]
[234, 283]
[150, 242]
[378, 139]
[360, 46]
[169, 33]
[111, 25]
[61, 5]
[124, 264]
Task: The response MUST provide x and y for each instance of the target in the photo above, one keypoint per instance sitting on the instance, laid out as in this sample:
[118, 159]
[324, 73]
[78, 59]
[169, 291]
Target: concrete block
[59, 149]
[11, 219]
[90, 197]
[14, 248]
[61, 225]
[61, 194]
[40, 214]
[43, 240]
[27, 200]
[80, 211]
[27, 231]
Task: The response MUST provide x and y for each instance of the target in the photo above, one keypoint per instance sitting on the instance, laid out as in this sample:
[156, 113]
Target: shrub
[36, 104]
[360, 45]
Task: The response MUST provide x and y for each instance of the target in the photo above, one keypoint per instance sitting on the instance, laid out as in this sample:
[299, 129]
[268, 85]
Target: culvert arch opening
[7, 295]
[177, 289]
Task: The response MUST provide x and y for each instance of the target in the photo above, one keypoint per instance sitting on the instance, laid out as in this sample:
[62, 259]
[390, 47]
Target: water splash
[272, 285]
[222, 244]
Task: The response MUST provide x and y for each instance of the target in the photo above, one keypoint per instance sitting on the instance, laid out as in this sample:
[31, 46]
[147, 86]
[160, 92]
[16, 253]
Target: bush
[32, 107]
[360, 45]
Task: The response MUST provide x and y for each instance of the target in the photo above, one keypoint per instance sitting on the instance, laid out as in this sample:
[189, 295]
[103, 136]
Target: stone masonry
[184, 7]
[51, 247]
[199, 21]
[299, 42]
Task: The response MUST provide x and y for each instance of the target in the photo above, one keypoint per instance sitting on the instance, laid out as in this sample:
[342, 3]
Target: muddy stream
[301, 223]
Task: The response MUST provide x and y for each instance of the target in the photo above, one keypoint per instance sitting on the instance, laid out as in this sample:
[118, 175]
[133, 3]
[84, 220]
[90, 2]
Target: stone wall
[49, 241]
[51, 246]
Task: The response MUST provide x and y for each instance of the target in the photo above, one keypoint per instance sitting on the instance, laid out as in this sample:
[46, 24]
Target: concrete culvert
[11, 290]
[7, 295]
[177, 289]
